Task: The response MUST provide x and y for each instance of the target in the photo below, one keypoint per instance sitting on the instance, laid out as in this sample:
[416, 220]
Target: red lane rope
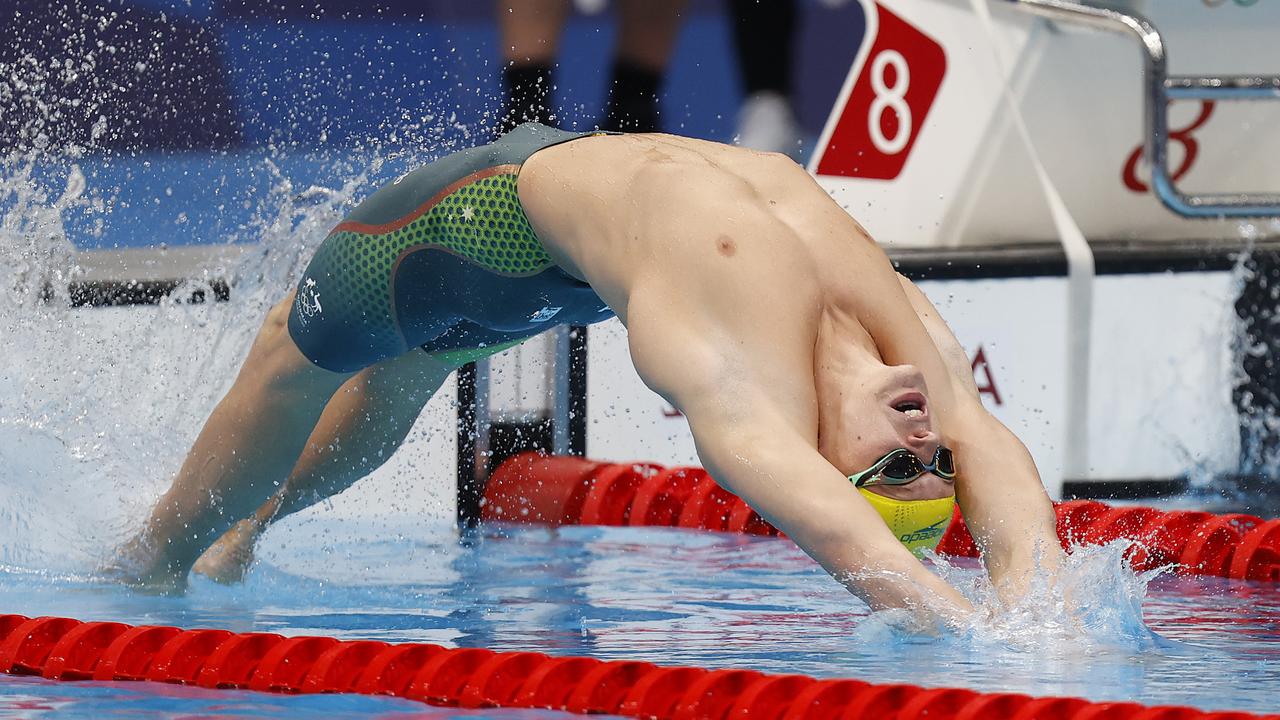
[66, 649]
[556, 490]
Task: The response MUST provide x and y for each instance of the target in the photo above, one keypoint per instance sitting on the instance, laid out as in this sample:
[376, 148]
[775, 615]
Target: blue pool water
[677, 597]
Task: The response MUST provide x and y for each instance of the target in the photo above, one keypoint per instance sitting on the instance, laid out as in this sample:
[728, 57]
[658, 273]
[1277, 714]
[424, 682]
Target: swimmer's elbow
[969, 428]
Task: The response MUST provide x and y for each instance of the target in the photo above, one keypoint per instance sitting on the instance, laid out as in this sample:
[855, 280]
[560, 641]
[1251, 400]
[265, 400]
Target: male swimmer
[821, 386]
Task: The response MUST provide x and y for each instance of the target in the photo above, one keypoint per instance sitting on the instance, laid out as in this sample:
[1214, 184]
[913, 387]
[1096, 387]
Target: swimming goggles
[901, 466]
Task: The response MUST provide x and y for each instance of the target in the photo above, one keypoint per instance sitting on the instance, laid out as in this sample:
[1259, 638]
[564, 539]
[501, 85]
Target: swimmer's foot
[138, 565]
[227, 560]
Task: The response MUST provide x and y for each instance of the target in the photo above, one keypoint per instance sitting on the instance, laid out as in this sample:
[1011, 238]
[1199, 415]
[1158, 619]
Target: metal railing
[1158, 91]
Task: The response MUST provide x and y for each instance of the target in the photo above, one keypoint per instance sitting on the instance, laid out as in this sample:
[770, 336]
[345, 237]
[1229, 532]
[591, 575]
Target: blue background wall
[179, 104]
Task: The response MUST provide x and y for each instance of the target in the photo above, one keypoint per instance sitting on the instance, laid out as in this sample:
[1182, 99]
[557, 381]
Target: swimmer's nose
[923, 442]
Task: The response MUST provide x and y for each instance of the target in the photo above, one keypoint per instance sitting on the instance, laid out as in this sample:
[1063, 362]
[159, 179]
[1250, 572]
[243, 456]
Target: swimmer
[821, 387]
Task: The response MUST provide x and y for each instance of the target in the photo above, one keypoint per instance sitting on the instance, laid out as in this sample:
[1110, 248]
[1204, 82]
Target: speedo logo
[925, 533]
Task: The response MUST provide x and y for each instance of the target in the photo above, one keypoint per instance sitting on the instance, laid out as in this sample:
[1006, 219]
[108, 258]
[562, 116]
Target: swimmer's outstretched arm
[999, 489]
[1004, 502]
[752, 449]
[758, 440]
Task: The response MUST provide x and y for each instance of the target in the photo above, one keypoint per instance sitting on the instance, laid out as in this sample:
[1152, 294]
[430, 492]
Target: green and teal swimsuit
[442, 259]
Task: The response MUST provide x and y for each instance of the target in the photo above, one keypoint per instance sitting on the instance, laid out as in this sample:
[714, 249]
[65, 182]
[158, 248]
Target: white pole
[1080, 274]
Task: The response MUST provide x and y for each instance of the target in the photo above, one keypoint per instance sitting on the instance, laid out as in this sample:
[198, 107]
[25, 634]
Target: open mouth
[911, 405]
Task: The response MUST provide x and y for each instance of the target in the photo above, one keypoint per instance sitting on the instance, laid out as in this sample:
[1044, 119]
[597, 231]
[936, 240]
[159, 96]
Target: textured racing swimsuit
[443, 259]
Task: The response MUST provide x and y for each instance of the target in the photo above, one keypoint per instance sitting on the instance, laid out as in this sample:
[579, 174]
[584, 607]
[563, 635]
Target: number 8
[891, 98]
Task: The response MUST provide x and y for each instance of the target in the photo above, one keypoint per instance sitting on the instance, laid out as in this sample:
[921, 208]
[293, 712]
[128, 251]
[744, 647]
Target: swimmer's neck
[842, 343]
[842, 348]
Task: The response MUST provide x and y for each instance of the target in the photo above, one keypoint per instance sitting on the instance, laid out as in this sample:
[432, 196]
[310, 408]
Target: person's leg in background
[530, 36]
[646, 36]
[764, 35]
[361, 427]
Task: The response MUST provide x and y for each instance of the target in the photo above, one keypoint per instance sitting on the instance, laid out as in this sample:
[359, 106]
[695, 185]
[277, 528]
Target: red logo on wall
[987, 386]
[884, 112]
[1190, 149]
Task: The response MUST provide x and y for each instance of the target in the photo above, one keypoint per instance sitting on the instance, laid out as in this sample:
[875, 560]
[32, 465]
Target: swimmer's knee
[277, 319]
[274, 333]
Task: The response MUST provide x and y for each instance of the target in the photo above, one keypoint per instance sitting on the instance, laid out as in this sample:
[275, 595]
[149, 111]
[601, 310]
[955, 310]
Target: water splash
[1093, 604]
[98, 406]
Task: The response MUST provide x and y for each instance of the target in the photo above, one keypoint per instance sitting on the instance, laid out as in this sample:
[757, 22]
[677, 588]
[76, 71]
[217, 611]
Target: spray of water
[1091, 604]
[97, 405]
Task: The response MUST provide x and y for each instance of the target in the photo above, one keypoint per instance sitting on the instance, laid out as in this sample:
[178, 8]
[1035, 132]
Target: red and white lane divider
[556, 490]
[66, 649]
[533, 488]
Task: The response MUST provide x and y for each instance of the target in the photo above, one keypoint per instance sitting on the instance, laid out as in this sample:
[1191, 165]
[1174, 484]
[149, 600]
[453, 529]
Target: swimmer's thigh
[367, 420]
[276, 364]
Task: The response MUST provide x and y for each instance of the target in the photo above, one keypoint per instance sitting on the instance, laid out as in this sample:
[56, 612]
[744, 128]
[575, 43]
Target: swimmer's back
[687, 213]
[736, 257]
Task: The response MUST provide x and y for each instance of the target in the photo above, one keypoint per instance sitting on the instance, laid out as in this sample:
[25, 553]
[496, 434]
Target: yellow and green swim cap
[918, 524]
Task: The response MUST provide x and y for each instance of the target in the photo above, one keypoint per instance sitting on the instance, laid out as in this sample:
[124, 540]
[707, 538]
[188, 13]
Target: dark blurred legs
[764, 35]
[530, 42]
[530, 31]
[646, 37]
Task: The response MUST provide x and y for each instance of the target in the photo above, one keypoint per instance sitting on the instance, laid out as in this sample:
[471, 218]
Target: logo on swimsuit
[925, 533]
[307, 302]
[544, 314]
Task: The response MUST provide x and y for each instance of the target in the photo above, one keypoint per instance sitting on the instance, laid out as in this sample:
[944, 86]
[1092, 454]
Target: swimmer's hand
[931, 603]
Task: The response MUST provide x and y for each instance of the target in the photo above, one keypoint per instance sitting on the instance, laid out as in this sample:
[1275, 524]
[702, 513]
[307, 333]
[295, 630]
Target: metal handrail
[1159, 90]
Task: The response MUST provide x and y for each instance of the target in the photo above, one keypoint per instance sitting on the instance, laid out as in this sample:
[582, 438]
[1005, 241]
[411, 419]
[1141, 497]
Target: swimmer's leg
[361, 427]
[245, 451]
